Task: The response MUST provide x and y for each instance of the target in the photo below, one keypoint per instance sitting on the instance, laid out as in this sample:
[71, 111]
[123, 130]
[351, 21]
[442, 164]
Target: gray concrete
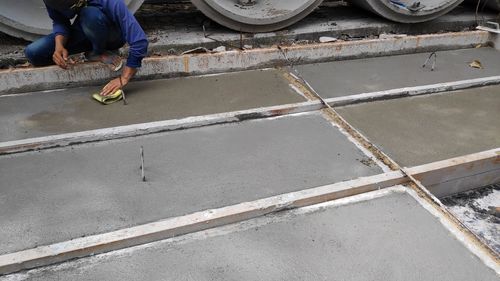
[419, 130]
[389, 238]
[73, 110]
[341, 78]
[56, 195]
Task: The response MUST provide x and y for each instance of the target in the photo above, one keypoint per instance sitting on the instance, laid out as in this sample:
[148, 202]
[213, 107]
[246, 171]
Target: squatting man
[100, 28]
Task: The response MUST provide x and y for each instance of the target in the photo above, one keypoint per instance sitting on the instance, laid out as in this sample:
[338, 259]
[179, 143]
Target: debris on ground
[219, 49]
[391, 36]
[476, 64]
[199, 50]
[479, 210]
[432, 57]
[326, 39]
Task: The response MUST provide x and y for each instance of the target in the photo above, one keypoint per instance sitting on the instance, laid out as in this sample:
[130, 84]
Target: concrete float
[28, 19]
[256, 15]
[408, 11]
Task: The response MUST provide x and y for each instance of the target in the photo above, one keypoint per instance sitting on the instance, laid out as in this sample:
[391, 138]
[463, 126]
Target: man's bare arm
[120, 82]
[60, 55]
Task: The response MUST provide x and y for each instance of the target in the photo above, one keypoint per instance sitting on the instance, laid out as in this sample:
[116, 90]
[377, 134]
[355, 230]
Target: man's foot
[112, 60]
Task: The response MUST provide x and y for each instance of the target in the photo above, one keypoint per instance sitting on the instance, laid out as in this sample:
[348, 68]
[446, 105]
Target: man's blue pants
[92, 31]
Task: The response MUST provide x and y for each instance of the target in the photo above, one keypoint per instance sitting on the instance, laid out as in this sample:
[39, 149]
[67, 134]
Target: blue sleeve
[131, 31]
[60, 23]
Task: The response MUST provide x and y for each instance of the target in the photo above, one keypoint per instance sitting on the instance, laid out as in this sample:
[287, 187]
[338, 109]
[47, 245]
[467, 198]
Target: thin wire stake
[123, 92]
[124, 98]
[143, 175]
[225, 44]
[241, 40]
[433, 54]
[297, 74]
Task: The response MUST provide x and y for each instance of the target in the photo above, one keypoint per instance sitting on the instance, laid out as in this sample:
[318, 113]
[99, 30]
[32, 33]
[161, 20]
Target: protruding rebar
[143, 175]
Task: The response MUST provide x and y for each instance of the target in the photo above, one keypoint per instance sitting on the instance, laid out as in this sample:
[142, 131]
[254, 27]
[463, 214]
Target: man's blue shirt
[118, 13]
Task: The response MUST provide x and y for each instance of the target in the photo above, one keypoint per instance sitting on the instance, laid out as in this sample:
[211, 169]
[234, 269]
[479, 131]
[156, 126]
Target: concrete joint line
[485, 175]
[440, 179]
[414, 91]
[23, 80]
[69, 139]
[80, 247]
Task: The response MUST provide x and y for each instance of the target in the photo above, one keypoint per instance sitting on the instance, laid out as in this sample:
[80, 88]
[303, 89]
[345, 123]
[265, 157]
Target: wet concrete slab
[342, 78]
[59, 194]
[387, 238]
[73, 110]
[420, 130]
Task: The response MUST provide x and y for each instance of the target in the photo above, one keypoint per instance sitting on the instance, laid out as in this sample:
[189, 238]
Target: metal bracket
[490, 26]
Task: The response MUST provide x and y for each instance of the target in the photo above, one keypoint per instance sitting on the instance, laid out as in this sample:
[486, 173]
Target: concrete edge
[470, 241]
[45, 78]
[168, 228]
[63, 140]
[414, 91]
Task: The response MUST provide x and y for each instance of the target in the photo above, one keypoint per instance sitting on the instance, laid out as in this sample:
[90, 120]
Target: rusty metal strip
[23, 80]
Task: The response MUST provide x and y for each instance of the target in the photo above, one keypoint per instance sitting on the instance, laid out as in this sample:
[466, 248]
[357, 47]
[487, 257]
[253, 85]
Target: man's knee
[92, 18]
[31, 52]
[39, 53]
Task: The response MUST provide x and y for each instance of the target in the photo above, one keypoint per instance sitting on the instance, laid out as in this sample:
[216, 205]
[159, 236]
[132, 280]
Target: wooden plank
[459, 174]
[63, 140]
[91, 245]
[467, 183]
[414, 91]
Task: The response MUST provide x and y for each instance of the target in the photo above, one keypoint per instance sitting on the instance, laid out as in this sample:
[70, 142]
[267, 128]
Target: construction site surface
[369, 159]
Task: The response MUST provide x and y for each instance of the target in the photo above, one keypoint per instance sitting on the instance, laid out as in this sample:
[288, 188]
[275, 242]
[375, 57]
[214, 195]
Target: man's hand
[60, 56]
[120, 82]
[114, 86]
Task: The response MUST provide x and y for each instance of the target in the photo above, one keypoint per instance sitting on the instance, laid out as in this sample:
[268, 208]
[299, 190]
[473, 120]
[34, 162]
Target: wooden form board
[434, 174]
[459, 174]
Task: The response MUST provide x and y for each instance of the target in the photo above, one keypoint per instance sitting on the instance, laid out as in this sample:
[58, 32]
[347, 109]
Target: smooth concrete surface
[55, 195]
[419, 130]
[383, 239]
[73, 110]
[342, 78]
